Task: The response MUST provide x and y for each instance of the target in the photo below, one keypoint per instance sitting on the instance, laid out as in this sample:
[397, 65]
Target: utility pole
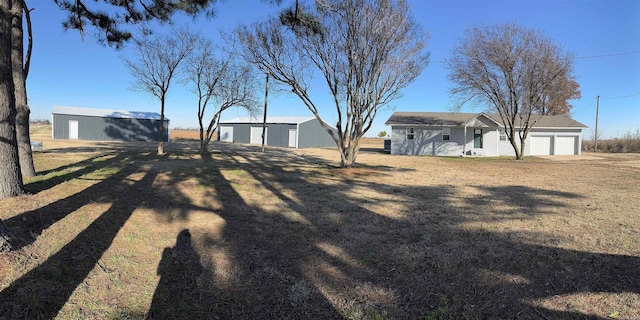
[595, 137]
[264, 119]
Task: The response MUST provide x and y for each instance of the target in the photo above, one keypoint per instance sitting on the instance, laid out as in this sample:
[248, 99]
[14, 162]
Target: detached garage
[106, 125]
[288, 132]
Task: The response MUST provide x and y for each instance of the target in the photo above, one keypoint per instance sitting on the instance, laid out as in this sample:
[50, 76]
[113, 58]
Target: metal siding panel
[311, 135]
[241, 133]
[60, 126]
[278, 134]
[109, 129]
[122, 129]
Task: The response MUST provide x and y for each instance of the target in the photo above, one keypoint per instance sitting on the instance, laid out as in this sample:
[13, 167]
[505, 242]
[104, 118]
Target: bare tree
[366, 51]
[222, 82]
[20, 70]
[513, 70]
[157, 64]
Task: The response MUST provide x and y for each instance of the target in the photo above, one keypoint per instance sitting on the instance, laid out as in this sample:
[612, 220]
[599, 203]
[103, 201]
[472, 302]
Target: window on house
[477, 138]
[411, 133]
[446, 134]
[503, 134]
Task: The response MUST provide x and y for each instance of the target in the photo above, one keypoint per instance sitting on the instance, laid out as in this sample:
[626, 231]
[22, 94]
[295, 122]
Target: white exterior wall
[428, 141]
[489, 142]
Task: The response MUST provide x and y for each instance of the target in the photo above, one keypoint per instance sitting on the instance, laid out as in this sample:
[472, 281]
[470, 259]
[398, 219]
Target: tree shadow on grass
[301, 240]
[29, 225]
[74, 171]
[320, 251]
[44, 290]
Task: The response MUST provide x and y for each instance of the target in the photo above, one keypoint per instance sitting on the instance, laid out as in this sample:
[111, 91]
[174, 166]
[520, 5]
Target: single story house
[479, 134]
[291, 132]
[100, 124]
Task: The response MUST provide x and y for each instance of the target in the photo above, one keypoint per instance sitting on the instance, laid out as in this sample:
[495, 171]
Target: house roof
[431, 118]
[459, 119]
[120, 114]
[277, 120]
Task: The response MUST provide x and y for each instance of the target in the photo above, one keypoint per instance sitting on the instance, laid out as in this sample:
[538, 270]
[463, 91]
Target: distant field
[110, 230]
[187, 135]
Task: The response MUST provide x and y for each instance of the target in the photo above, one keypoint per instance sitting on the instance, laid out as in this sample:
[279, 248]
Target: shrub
[627, 143]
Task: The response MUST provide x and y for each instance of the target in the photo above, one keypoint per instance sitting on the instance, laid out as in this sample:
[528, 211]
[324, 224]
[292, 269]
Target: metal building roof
[104, 113]
[276, 120]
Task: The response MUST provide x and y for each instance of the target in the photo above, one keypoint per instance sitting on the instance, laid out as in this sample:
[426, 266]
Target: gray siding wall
[241, 133]
[109, 129]
[278, 134]
[312, 135]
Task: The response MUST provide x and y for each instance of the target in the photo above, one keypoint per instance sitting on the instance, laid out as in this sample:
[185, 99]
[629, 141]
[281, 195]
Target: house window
[503, 134]
[410, 133]
[477, 138]
[446, 134]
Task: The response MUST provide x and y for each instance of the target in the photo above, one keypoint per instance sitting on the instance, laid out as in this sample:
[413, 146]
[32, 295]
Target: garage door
[540, 145]
[226, 134]
[566, 145]
[256, 135]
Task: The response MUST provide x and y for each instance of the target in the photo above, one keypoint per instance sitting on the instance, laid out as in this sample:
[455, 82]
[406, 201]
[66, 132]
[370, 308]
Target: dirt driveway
[615, 159]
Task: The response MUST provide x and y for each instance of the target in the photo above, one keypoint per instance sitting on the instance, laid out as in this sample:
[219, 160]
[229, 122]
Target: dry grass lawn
[113, 231]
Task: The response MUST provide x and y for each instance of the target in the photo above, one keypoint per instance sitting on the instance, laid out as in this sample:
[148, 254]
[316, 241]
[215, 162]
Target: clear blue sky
[68, 70]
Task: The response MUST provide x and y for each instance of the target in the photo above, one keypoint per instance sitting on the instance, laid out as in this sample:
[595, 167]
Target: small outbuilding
[479, 134]
[99, 124]
[288, 132]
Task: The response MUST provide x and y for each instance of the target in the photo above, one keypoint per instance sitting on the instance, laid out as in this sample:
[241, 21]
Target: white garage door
[256, 135]
[293, 134]
[566, 145]
[540, 145]
[73, 129]
[226, 134]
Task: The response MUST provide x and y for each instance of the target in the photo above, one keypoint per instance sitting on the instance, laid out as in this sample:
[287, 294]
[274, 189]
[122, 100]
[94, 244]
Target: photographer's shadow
[177, 295]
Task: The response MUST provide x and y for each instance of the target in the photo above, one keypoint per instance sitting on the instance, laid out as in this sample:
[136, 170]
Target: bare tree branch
[518, 73]
[219, 80]
[366, 51]
[157, 63]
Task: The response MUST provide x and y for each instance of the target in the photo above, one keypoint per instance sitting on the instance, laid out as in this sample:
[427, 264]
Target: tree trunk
[348, 157]
[161, 133]
[10, 175]
[522, 142]
[19, 81]
[512, 140]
